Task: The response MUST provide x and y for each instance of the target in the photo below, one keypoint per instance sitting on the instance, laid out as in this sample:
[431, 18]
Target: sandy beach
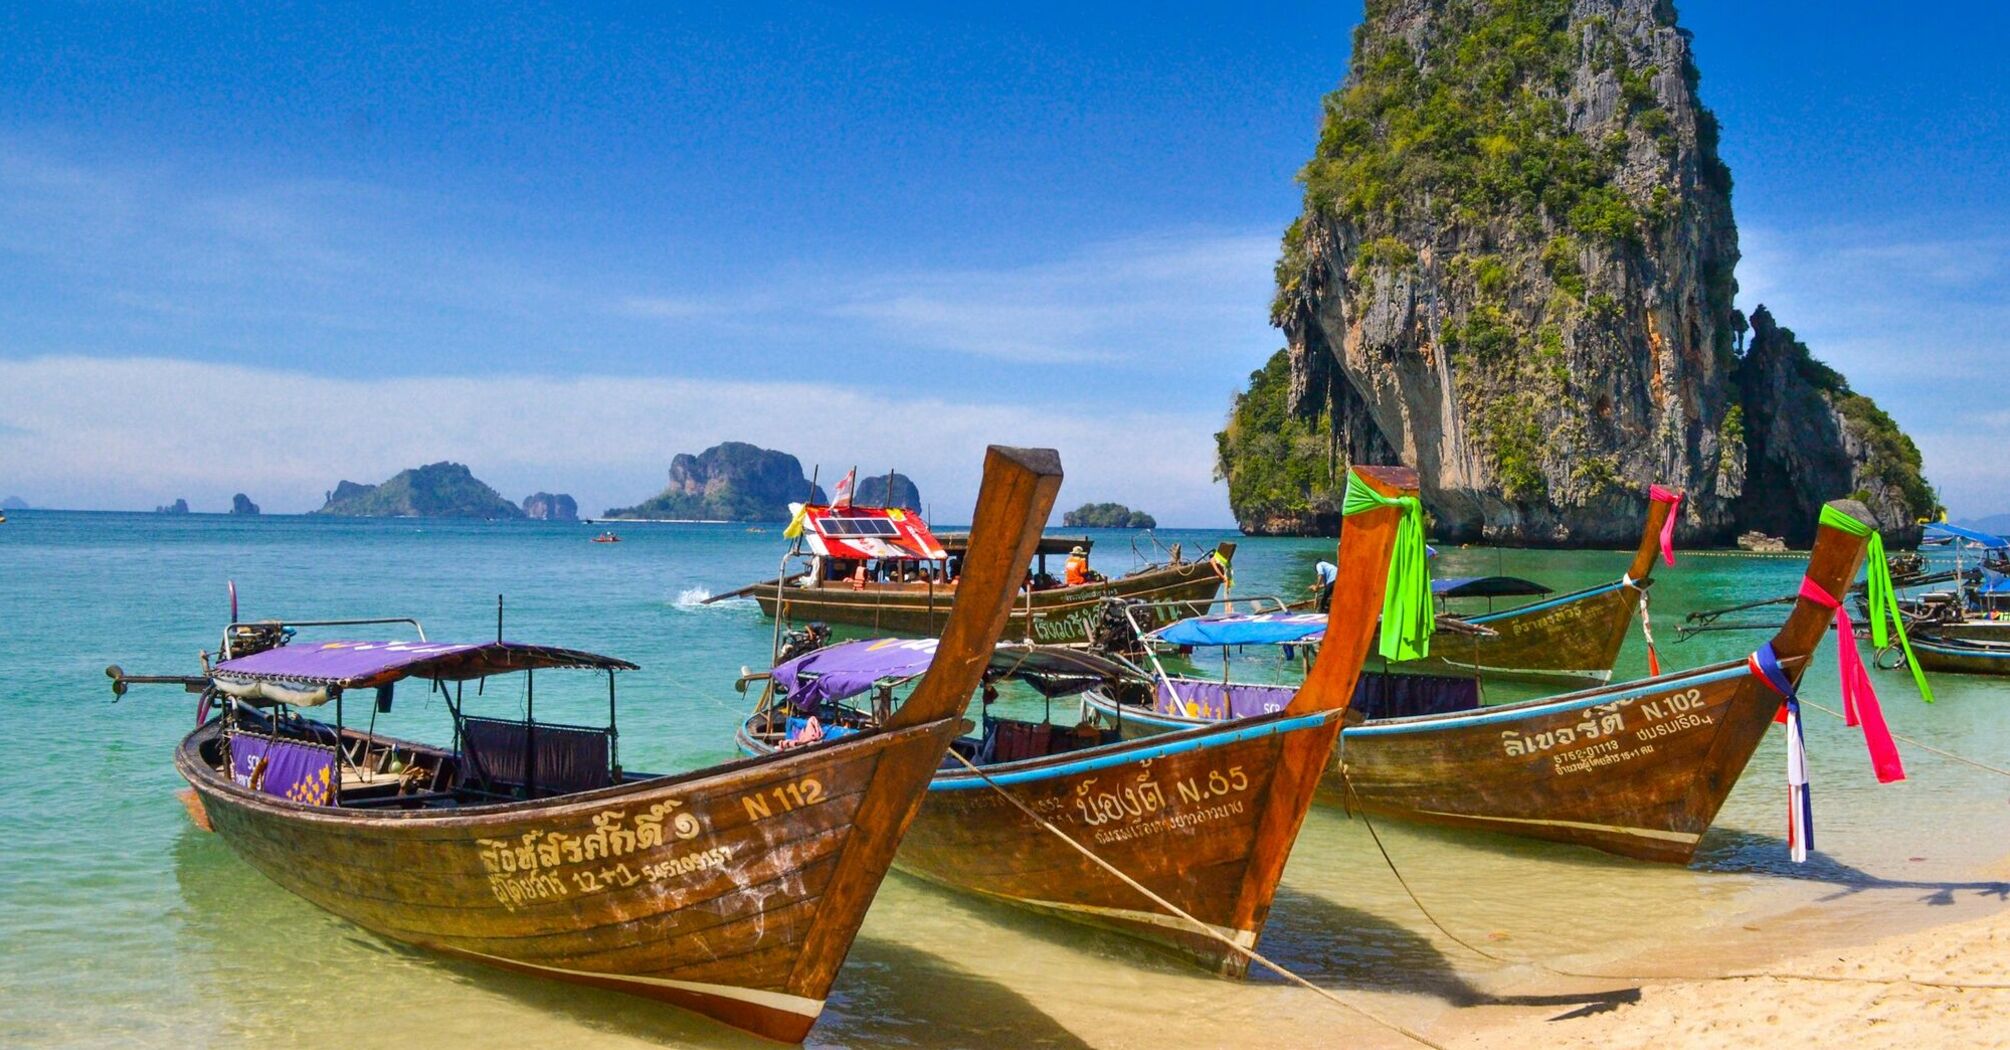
[1943, 987]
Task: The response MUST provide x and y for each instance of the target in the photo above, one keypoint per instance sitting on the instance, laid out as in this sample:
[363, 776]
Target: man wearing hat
[1077, 570]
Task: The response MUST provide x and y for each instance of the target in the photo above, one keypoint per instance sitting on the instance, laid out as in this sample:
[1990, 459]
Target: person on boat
[1077, 571]
[1328, 575]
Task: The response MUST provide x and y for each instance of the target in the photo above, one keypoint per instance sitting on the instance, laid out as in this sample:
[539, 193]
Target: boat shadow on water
[1727, 851]
[1337, 948]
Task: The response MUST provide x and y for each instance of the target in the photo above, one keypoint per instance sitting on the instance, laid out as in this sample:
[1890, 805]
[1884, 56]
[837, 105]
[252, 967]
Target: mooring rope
[1949, 755]
[1560, 972]
[1180, 913]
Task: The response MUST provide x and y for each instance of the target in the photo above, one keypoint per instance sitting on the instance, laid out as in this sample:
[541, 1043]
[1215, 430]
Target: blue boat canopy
[1486, 587]
[1274, 628]
[1943, 531]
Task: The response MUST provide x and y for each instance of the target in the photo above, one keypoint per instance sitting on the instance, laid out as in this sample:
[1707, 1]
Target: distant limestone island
[437, 490]
[545, 506]
[179, 506]
[735, 481]
[1107, 516]
[13, 503]
[242, 506]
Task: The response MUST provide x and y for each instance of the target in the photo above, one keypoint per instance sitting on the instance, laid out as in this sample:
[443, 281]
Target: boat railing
[232, 628]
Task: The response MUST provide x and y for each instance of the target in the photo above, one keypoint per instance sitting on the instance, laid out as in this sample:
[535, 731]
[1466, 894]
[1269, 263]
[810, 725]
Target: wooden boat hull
[1958, 655]
[1640, 772]
[1573, 637]
[733, 892]
[1058, 616]
[1204, 818]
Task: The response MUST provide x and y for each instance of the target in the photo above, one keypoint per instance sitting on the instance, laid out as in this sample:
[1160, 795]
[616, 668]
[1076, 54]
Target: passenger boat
[1637, 770]
[1204, 818]
[883, 568]
[734, 891]
[1570, 637]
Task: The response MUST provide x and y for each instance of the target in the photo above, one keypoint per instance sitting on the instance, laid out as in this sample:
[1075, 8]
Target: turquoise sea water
[122, 924]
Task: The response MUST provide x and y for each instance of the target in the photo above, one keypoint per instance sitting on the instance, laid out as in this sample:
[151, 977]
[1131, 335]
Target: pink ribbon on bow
[1859, 700]
[1674, 501]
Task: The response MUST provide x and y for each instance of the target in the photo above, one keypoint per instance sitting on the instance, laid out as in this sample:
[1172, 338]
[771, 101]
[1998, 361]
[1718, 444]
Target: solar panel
[857, 527]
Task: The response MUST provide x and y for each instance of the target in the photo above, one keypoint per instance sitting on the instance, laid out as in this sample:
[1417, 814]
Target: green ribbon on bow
[1408, 613]
[1883, 596]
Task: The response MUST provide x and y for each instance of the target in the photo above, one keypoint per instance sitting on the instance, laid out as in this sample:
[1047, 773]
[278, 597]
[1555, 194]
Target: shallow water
[121, 924]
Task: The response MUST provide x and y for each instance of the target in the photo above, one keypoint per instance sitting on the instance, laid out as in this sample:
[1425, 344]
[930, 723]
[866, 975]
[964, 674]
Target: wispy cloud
[136, 432]
[1918, 320]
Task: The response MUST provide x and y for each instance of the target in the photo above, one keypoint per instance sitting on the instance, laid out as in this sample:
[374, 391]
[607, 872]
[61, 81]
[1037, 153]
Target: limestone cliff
[872, 492]
[1107, 516]
[1514, 273]
[437, 490]
[544, 506]
[241, 504]
[733, 481]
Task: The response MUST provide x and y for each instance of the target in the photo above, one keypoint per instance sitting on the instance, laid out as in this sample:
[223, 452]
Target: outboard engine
[1112, 632]
[808, 639]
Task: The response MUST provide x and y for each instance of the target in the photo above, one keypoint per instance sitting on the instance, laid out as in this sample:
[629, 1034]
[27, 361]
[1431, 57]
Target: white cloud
[134, 432]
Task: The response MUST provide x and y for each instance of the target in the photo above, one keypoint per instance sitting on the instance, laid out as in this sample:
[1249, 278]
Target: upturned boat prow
[1204, 818]
[734, 891]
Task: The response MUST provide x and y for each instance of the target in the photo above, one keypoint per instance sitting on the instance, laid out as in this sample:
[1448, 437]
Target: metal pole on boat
[782, 570]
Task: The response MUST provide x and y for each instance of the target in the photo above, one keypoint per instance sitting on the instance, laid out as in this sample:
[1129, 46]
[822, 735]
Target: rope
[1560, 972]
[1951, 756]
[1176, 911]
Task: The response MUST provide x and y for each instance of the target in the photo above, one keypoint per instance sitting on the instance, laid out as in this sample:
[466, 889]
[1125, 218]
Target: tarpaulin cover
[1375, 696]
[292, 769]
[1942, 531]
[868, 533]
[1486, 587]
[1994, 582]
[360, 664]
[1275, 628]
[850, 668]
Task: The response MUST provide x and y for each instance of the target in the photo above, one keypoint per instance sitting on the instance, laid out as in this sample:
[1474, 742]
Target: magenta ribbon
[1674, 501]
[1859, 700]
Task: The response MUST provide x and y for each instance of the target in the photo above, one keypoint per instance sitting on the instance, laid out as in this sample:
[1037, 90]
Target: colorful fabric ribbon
[1408, 614]
[1859, 699]
[1883, 596]
[1674, 501]
[1765, 665]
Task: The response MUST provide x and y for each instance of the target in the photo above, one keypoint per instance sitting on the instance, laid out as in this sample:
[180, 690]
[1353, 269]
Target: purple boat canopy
[850, 668]
[362, 665]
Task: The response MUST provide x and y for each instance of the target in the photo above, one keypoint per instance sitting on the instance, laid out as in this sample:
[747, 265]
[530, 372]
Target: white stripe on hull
[794, 1004]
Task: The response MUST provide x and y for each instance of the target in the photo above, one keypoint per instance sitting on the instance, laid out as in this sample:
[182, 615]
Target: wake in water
[692, 597]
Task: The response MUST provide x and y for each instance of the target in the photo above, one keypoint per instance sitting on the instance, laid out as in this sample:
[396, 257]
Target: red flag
[842, 497]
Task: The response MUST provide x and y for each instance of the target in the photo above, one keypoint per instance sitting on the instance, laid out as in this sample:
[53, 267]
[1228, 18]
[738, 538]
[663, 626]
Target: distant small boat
[607, 537]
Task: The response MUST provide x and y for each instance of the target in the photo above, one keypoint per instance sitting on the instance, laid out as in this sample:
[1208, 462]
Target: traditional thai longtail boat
[734, 891]
[1638, 770]
[1203, 818]
[882, 568]
[1570, 637]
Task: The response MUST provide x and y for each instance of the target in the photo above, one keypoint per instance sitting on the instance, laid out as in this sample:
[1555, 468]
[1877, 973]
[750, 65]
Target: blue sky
[564, 247]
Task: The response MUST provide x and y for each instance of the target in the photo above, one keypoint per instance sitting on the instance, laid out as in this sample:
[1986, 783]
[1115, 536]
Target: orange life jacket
[1077, 571]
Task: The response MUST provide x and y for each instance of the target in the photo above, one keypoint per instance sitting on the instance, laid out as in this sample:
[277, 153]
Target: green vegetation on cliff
[1107, 516]
[1888, 455]
[437, 490]
[1278, 466]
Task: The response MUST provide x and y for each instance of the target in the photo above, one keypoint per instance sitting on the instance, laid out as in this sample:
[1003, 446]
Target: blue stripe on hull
[1126, 753]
